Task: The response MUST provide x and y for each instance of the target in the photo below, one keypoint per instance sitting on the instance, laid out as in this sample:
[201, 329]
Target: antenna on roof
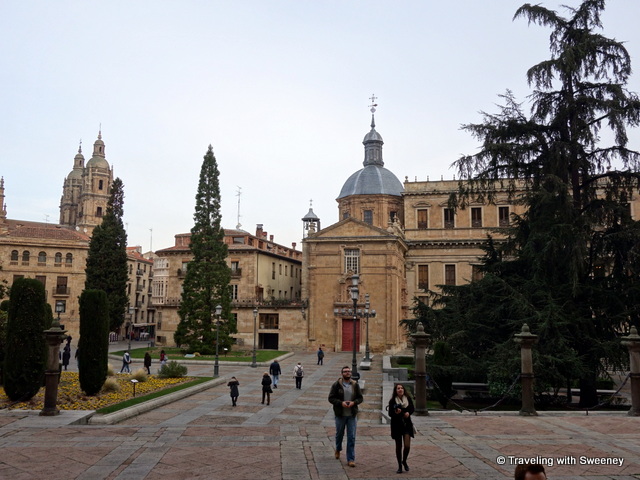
[239, 194]
[151, 239]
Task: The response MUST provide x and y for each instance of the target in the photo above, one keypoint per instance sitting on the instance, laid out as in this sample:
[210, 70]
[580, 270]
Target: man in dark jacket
[274, 370]
[345, 396]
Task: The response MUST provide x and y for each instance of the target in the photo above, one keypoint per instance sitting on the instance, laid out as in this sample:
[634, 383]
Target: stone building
[140, 317]
[265, 278]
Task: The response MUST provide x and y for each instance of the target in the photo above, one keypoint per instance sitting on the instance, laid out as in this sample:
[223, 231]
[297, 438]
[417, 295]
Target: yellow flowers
[70, 397]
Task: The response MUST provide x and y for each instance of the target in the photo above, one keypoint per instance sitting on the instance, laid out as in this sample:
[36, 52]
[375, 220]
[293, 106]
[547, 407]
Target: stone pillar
[632, 342]
[526, 340]
[54, 337]
[420, 340]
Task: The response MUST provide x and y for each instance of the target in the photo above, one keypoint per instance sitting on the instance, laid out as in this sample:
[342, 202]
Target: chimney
[271, 238]
[293, 244]
[259, 230]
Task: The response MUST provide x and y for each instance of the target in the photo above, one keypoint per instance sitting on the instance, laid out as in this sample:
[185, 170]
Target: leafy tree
[93, 346]
[570, 267]
[107, 258]
[206, 282]
[25, 348]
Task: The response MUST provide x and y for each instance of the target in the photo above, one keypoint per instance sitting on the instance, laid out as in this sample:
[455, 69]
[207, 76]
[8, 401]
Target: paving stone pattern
[204, 437]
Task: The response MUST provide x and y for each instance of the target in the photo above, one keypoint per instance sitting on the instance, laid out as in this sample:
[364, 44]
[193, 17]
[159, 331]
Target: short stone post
[420, 340]
[526, 340]
[632, 342]
[54, 337]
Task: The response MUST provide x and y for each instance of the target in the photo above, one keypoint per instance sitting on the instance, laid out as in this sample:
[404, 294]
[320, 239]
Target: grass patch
[175, 353]
[160, 393]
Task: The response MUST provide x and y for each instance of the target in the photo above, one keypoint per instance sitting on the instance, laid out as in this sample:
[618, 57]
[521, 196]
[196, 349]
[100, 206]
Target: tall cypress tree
[571, 266]
[207, 278]
[107, 259]
[93, 346]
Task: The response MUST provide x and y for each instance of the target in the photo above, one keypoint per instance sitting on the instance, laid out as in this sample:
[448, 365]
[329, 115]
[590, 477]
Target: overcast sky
[280, 89]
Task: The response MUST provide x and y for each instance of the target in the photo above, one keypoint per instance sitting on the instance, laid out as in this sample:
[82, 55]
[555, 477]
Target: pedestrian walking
[66, 356]
[298, 374]
[275, 371]
[320, 355]
[163, 358]
[234, 392]
[345, 396]
[266, 387]
[402, 431]
[147, 362]
[126, 361]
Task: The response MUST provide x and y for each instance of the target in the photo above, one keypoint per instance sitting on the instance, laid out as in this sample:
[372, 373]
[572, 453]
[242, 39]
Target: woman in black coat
[235, 391]
[266, 387]
[400, 410]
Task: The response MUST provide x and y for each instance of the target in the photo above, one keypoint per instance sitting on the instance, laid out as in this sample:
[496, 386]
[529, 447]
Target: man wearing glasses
[345, 396]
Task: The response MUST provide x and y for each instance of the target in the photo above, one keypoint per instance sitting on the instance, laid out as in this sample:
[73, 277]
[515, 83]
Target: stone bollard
[632, 342]
[54, 337]
[526, 340]
[420, 340]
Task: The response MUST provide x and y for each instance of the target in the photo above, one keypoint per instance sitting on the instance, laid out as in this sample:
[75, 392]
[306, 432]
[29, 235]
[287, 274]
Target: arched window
[42, 257]
[14, 255]
[25, 256]
[58, 258]
[69, 259]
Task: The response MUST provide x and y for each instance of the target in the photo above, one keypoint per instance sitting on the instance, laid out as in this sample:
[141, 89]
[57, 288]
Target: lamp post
[355, 293]
[215, 365]
[253, 358]
[366, 316]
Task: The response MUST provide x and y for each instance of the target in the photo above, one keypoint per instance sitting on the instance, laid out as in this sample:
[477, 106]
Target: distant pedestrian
[147, 362]
[275, 371]
[320, 356]
[66, 356]
[298, 374]
[126, 361]
[163, 358]
[266, 387]
[235, 392]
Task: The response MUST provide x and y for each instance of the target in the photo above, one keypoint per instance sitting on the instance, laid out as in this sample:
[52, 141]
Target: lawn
[178, 354]
[70, 397]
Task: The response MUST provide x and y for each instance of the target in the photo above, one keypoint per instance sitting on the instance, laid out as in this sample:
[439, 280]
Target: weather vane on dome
[373, 105]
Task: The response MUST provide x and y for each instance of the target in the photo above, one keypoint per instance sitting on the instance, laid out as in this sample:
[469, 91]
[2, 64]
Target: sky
[281, 90]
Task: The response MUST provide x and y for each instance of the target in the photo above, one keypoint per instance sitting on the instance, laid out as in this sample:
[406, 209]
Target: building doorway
[347, 334]
[269, 341]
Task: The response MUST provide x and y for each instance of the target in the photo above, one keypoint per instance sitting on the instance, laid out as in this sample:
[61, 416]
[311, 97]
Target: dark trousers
[298, 382]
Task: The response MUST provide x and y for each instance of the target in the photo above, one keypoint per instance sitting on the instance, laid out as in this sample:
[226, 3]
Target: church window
[99, 212]
[100, 184]
[368, 217]
[476, 217]
[423, 219]
[423, 277]
[58, 258]
[25, 257]
[14, 255]
[69, 259]
[42, 257]
[352, 260]
[449, 274]
[503, 216]
[449, 218]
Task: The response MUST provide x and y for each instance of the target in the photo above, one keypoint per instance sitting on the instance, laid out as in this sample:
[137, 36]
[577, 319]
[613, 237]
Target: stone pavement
[203, 436]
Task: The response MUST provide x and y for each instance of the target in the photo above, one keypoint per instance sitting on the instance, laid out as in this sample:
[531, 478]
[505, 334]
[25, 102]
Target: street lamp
[218, 313]
[366, 316]
[60, 308]
[253, 358]
[355, 293]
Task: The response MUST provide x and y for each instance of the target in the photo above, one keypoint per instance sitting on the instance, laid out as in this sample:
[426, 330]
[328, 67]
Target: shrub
[172, 370]
[110, 371]
[111, 385]
[94, 340]
[140, 375]
[25, 353]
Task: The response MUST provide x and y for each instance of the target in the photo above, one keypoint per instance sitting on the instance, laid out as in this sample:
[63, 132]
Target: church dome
[373, 179]
[98, 160]
[78, 165]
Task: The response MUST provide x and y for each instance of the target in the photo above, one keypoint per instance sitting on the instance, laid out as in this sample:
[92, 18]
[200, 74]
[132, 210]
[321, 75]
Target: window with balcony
[476, 217]
[449, 218]
[352, 260]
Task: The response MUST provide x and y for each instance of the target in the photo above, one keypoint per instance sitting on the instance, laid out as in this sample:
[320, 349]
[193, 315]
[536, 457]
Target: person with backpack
[320, 355]
[298, 374]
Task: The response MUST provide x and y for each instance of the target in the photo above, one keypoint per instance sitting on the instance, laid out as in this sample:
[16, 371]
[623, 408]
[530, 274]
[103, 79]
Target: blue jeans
[350, 423]
[275, 380]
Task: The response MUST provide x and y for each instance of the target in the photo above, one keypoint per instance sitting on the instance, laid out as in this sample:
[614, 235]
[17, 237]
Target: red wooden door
[347, 335]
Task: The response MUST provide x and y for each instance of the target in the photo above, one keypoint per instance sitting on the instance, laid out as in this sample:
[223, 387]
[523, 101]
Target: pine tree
[207, 278]
[26, 347]
[571, 266]
[107, 259]
[93, 346]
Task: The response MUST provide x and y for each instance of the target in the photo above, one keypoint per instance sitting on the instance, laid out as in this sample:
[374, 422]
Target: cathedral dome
[78, 165]
[373, 179]
[98, 160]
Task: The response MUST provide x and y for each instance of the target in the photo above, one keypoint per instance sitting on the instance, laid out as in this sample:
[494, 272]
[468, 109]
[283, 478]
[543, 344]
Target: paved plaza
[203, 436]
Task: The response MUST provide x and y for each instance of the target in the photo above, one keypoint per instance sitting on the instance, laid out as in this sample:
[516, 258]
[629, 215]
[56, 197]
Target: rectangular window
[273, 271]
[345, 215]
[234, 292]
[42, 279]
[279, 269]
[352, 260]
[368, 217]
[449, 218]
[235, 266]
[476, 217]
[286, 269]
[238, 240]
[449, 274]
[61, 286]
[503, 216]
[268, 321]
[423, 219]
[423, 277]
